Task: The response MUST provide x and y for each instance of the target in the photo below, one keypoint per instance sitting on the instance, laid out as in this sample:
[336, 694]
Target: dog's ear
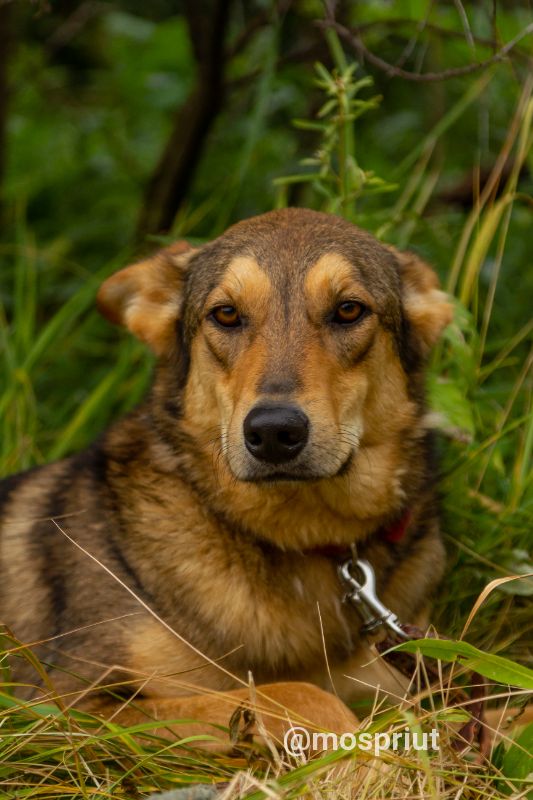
[146, 297]
[427, 308]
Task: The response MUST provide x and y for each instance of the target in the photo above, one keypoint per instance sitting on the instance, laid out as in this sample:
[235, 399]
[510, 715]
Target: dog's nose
[275, 433]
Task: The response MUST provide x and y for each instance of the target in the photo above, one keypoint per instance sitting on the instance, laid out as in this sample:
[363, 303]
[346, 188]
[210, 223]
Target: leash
[359, 580]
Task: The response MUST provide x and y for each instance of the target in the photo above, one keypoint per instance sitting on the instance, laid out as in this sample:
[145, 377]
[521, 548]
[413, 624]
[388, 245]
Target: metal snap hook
[363, 596]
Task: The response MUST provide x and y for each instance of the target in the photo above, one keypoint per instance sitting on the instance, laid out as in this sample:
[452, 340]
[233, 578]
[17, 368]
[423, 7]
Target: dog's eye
[348, 312]
[227, 316]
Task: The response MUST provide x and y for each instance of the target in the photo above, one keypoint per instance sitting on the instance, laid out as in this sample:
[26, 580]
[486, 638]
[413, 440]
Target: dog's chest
[300, 618]
[276, 618]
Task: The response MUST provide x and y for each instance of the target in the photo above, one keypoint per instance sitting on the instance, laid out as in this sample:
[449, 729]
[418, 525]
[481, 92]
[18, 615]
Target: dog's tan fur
[170, 501]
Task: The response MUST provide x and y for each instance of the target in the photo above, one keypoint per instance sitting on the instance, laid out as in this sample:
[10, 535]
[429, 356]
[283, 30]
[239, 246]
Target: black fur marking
[173, 408]
[363, 353]
[8, 486]
[344, 468]
[432, 460]
[95, 461]
[183, 353]
[408, 351]
[46, 537]
[134, 581]
[283, 477]
[216, 355]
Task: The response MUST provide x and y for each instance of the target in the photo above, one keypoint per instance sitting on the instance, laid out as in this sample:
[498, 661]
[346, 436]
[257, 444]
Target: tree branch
[353, 38]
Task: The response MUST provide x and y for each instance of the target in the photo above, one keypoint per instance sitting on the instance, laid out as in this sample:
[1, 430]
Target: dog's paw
[301, 707]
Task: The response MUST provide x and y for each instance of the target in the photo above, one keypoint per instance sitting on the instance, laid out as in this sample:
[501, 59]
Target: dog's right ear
[146, 297]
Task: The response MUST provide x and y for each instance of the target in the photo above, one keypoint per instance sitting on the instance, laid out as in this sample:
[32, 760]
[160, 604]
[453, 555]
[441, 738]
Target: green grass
[52, 751]
[66, 374]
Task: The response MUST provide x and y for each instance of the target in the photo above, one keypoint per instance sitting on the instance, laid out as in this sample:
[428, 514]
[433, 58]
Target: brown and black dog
[286, 416]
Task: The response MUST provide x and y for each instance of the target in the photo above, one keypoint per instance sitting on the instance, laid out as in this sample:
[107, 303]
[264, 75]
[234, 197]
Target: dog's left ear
[427, 308]
[146, 297]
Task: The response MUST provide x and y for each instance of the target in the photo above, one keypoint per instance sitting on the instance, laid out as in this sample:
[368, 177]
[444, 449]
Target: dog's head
[296, 341]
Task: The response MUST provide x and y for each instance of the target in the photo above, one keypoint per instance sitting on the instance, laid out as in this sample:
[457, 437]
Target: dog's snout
[275, 434]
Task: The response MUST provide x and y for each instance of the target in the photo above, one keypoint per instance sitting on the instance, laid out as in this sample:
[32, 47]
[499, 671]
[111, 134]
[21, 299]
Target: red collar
[392, 534]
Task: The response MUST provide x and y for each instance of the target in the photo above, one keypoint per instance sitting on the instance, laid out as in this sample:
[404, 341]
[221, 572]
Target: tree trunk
[175, 170]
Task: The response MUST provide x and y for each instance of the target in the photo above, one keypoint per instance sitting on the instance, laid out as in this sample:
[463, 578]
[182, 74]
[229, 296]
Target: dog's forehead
[288, 246]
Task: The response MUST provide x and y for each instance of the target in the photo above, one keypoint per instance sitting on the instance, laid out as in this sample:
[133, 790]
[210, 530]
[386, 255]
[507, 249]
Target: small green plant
[335, 173]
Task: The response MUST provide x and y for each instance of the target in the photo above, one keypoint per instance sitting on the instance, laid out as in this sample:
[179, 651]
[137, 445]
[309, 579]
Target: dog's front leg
[267, 712]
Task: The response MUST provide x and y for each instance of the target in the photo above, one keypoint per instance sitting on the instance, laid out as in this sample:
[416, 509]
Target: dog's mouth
[297, 474]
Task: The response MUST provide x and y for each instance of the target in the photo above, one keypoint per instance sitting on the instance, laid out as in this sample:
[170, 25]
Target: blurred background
[126, 124]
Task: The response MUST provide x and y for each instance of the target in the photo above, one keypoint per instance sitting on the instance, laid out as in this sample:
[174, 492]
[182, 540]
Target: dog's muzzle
[275, 434]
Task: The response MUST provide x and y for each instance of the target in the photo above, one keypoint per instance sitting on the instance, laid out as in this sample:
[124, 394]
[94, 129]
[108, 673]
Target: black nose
[275, 433]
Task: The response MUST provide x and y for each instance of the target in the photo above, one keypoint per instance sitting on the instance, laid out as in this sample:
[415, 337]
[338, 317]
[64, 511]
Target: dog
[195, 543]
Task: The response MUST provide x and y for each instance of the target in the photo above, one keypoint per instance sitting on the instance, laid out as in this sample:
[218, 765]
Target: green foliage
[336, 175]
[513, 761]
[497, 669]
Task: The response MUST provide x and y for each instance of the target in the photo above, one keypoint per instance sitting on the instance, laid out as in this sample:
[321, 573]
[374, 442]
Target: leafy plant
[336, 174]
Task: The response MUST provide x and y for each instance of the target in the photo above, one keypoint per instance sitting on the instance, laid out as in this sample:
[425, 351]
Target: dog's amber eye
[227, 316]
[348, 312]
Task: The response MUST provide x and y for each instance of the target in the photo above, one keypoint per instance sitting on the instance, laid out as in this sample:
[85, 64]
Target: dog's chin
[264, 474]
